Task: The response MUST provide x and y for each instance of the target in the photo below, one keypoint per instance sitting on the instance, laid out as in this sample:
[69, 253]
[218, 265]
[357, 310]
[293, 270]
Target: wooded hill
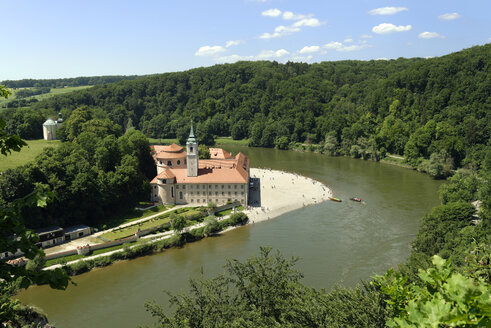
[413, 107]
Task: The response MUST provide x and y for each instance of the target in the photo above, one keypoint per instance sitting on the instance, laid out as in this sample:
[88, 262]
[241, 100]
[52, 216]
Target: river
[338, 243]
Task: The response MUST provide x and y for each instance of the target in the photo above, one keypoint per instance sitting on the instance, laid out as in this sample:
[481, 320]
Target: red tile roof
[223, 170]
[219, 153]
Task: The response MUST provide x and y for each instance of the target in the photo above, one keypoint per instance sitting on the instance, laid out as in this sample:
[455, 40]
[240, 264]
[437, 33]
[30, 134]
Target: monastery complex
[183, 178]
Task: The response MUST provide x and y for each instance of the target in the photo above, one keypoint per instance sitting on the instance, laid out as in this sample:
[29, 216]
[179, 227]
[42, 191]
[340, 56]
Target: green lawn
[218, 141]
[230, 141]
[132, 216]
[53, 92]
[76, 256]
[35, 147]
[155, 222]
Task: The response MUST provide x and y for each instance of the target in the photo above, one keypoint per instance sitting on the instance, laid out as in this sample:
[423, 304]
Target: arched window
[172, 192]
[169, 163]
[180, 194]
[178, 162]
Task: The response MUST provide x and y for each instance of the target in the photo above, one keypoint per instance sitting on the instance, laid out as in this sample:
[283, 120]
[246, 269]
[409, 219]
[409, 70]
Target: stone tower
[192, 154]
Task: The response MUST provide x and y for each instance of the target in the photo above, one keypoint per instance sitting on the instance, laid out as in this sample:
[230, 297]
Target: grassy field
[27, 154]
[218, 141]
[155, 222]
[132, 216]
[53, 92]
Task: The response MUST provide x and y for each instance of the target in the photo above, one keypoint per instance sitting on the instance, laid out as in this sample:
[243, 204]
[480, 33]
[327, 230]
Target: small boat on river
[334, 199]
[355, 199]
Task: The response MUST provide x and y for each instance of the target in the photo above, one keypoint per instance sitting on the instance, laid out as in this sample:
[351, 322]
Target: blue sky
[53, 39]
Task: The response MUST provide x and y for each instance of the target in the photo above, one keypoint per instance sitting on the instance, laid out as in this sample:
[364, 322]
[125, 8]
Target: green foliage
[203, 152]
[265, 291]
[463, 185]
[211, 226]
[177, 222]
[439, 229]
[445, 299]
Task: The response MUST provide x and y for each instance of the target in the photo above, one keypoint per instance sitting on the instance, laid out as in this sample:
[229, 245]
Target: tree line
[67, 82]
[435, 112]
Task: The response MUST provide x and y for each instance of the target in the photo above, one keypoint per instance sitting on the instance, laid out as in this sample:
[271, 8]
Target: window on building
[216, 193]
[191, 149]
[204, 200]
[209, 186]
[235, 186]
[216, 200]
[229, 187]
[223, 193]
[197, 200]
[155, 195]
[241, 186]
[216, 186]
[160, 162]
[197, 193]
[180, 194]
[80, 234]
[191, 193]
[236, 193]
[154, 187]
[229, 193]
[184, 187]
[172, 192]
[192, 200]
[177, 187]
[6, 254]
[223, 186]
[178, 162]
[209, 193]
[169, 163]
[242, 193]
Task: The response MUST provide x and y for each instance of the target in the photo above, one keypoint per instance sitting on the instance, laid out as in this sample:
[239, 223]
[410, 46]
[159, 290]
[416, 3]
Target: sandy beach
[282, 192]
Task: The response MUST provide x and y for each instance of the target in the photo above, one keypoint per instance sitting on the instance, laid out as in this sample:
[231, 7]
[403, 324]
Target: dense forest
[67, 82]
[425, 109]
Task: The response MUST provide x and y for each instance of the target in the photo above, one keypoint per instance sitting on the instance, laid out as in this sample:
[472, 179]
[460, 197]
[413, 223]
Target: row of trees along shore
[432, 111]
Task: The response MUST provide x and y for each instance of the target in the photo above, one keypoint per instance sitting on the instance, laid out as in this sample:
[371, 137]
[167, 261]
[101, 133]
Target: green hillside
[412, 107]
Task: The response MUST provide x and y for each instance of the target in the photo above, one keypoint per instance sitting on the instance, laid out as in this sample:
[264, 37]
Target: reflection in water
[337, 242]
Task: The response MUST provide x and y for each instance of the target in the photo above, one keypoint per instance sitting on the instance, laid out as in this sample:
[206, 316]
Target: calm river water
[338, 243]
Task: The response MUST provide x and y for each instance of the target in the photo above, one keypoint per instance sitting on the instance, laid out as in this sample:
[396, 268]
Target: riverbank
[280, 192]
[272, 194]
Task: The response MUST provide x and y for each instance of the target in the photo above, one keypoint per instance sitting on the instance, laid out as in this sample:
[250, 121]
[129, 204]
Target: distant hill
[67, 82]
[412, 107]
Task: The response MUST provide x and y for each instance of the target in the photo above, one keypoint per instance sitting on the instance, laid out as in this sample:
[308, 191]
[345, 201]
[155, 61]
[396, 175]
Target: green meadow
[27, 153]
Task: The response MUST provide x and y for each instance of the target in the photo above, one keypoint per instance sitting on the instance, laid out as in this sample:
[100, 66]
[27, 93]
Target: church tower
[192, 154]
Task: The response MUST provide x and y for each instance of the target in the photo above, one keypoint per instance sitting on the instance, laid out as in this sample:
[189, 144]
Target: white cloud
[386, 28]
[233, 43]
[430, 35]
[387, 10]
[267, 54]
[366, 36]
[209, 50]
[382, 58]
[333, 45]
[300, 21]
[271, 12]
[309, 49]
[338, 46]
[280, 31]
[348, 40]
[288, 15]
[263, 55]
[312, 22]
[449, 16]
